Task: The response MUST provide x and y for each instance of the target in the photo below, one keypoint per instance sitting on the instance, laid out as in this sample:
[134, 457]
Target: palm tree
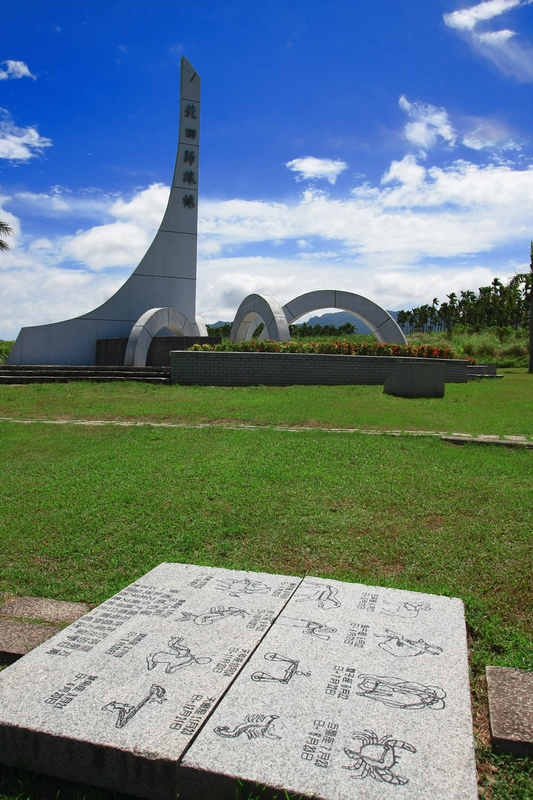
[5, 230]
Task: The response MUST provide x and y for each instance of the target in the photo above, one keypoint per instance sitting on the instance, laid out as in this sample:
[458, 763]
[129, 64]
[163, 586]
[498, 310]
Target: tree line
[497, 305]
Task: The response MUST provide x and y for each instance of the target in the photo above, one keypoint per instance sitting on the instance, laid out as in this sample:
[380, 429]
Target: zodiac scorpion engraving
[376, 757]
[255, 726]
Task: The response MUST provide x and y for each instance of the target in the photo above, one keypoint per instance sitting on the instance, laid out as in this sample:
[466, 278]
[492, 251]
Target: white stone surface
[355, 692]
[115, 698]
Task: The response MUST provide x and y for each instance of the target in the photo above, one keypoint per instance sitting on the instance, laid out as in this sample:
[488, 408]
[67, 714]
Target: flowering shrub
[341, 347]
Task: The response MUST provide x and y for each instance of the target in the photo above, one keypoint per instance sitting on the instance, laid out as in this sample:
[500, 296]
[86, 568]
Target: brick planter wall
[111, 352]
[286, 369]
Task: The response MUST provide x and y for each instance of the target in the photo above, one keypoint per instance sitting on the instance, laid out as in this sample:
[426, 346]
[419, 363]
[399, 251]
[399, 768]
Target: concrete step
[57, 373]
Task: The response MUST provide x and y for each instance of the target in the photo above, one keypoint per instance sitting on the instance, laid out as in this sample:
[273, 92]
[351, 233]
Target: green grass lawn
[84, 510]
[502, 406]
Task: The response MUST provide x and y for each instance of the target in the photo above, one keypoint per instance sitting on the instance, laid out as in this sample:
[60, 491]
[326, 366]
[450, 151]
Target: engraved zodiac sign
[309, 627]
[179, 658]
[400, 646]
[325, 596]
[376, 757]
[288, 666]
[407, 610]
[401, 694]
[255, 726]
[243, 586]
[126, 711]
[213, 615]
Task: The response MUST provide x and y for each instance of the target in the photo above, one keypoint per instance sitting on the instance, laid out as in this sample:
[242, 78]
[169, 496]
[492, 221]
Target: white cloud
[401, 242]
[19, 144]
[429, 125]
[310, 168]
[15, 69]
[466, 19]
[504, 48]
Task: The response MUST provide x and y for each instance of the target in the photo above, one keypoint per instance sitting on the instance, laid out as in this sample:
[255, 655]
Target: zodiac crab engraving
[324, 595]
[408, 610]
[398, 693]
[126, 711]
[255, 726]
[179, 658]
[243, 586]
[376, 757]
[213, 615]
[402, 647]
[289, 668]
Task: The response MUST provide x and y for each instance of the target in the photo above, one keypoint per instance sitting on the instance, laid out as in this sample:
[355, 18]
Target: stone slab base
[193, 679]
[511, 710]
[423, 379]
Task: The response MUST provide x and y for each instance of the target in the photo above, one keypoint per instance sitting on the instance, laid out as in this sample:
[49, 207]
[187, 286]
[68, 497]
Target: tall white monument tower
[161, 292]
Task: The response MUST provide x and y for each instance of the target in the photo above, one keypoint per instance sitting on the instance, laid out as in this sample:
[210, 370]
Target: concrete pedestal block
[423, 379]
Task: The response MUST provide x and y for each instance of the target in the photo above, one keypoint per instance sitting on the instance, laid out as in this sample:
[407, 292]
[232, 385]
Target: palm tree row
[497, 305]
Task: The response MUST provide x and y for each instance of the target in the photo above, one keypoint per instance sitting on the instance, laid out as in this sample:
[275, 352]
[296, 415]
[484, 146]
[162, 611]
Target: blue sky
[376, 146]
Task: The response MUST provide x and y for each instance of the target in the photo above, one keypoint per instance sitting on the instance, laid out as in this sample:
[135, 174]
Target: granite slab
[43, 609]
[355, 692]
[511, 710]
[18, 638]
[114, 699]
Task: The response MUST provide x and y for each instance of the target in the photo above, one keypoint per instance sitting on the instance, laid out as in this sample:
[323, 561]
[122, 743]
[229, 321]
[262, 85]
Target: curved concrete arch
[378, 320]
[254, 309]
[149, 324]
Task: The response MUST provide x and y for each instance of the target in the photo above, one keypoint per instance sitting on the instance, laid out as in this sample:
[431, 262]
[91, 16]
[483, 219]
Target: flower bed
[341, 347]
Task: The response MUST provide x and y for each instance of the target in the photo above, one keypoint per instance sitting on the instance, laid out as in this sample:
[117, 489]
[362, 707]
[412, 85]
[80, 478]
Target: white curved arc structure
[378, 320]
[254, 309]
[165, 277]
[150, 323]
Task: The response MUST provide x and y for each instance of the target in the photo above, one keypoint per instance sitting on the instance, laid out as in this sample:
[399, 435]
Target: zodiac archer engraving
[255, 726]
[126, 711]
[289, 668]
[402, 647]
[398, 693]
[376, 757]
[310, 627]
[408, 610]
[324, 595]
[179, 658]
[213, 615]
[243, 586]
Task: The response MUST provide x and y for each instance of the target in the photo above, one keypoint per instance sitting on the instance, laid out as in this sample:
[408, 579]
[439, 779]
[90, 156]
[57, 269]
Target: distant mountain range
[336, 318]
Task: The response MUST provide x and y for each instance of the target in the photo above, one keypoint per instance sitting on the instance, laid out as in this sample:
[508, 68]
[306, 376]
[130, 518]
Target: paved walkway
[456, 437]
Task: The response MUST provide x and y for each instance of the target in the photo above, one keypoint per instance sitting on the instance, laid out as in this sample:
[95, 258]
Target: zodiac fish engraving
[408, 610]
[126, 711]
[402, 647]
[255, 726]
[242, 586]
[288, 665]
[376, 757]
[398, 693]
[310, 627]
[325, 596]
[179, 658]
[213, 615]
